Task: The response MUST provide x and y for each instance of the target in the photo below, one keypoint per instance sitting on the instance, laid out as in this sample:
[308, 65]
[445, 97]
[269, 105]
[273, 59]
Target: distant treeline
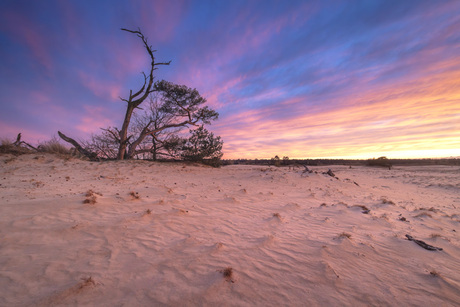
[319, 162]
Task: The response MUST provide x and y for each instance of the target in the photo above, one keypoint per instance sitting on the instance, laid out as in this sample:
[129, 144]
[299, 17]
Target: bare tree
[157, 143]
[180, 107]
[103, 144]
[176, 107]
[137, 98]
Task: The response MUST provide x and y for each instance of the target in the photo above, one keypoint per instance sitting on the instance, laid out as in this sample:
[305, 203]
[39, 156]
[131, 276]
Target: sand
[138, 233]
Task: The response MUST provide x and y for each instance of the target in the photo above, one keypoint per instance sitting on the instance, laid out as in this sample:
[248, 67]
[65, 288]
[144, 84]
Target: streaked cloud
[295, 78]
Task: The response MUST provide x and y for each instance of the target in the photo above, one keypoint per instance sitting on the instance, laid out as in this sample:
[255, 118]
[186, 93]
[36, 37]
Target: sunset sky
[304, 79]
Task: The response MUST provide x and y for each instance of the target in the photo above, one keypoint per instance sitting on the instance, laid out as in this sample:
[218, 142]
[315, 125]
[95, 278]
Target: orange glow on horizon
[417, 119]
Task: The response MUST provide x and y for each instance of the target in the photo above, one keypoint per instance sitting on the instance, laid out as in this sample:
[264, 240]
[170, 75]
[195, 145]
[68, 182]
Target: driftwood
[18, 143]
[423, 244]
[306, 170]
[90, 155]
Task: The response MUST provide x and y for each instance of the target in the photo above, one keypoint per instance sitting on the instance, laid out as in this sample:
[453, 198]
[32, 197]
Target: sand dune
[163, 234]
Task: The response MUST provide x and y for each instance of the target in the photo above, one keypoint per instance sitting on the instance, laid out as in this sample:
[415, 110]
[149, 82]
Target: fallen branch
[306, 170]
[423, 244]
[90, 155]
[18, 143]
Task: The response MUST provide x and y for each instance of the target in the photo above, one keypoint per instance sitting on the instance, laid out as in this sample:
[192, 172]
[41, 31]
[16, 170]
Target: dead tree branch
[90, 155]
[137, 98]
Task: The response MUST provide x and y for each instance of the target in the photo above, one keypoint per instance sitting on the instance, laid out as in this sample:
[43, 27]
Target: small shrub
[277, 215]
[381, 161]
[228, 274]
[276, 161]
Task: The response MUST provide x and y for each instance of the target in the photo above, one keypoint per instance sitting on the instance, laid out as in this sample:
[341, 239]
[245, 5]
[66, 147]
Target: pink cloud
[418, 117]
[101, 88]
[94, 119]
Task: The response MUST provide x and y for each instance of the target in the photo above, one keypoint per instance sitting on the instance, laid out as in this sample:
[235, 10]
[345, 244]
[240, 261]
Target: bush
[203, 147]
[381, 161]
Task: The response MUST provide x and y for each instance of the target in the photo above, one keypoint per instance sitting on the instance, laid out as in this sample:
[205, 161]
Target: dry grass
[277, 215]
[435, 235]
[7, 147]
[53, 146]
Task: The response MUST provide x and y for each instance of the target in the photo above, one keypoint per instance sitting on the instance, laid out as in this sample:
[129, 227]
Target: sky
[303, 79]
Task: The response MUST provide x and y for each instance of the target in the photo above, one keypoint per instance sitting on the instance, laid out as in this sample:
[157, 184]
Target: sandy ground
[152, 234]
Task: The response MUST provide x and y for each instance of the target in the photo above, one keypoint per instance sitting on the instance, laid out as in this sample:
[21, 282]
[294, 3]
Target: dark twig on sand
[423, 244]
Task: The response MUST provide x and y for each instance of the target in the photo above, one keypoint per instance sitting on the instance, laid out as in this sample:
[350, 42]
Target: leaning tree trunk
[136, 99]
[90, 155]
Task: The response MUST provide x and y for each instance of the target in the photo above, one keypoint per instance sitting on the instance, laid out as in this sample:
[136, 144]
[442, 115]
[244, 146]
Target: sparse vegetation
[90, 200]
[276, 161]
[381, 161]
[277, 215]
[156, 131]
[20, 147]
[134, 195]
[91, 197]
[54, 146]
[228, 273]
